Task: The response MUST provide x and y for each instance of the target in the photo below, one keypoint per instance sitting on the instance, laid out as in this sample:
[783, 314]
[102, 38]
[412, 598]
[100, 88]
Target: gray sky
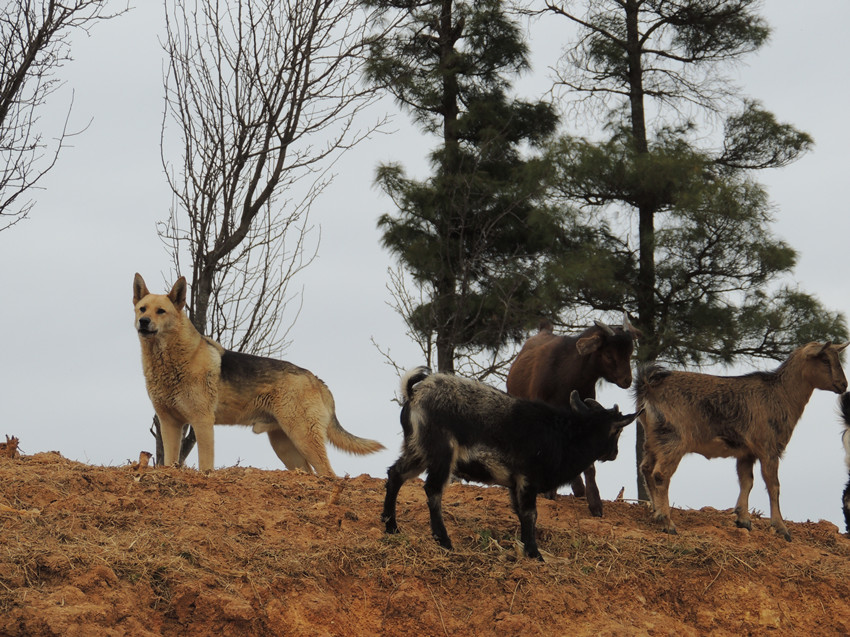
[70, 370]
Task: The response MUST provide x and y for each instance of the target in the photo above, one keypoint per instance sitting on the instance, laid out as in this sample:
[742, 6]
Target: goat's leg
[439, 472]
[770, 473]
[594, 500]
[403, 469]
[577, 485]
[745, 480]
[524, 499]
[660, 478]
[646, 467]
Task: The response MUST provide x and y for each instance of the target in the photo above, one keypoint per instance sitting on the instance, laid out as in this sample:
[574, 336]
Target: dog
[191, 379]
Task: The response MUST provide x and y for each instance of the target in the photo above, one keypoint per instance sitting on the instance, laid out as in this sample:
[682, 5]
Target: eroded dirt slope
[92, 551]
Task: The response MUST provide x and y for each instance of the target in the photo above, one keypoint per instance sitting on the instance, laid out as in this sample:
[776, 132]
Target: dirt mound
[95, 551]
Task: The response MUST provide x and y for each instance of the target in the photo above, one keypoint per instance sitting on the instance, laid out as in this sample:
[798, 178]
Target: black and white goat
[476, 432]
[844, 402]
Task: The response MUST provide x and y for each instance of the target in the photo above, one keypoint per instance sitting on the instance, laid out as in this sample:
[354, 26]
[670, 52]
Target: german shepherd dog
[193, 380]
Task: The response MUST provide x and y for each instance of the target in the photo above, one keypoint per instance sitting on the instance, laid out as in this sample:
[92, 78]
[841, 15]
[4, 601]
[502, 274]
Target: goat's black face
[616, 423]
[613, 445]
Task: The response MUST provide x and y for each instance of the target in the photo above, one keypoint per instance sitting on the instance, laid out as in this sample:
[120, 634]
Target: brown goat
[749, 417]
[549, 368]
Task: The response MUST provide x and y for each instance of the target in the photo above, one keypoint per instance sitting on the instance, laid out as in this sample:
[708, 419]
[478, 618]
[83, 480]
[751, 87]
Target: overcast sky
[70, 365]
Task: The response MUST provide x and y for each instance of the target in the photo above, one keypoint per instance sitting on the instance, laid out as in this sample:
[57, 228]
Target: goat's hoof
[445, 543]
[391, 528]
[784, 532]
[744, 524]
[670, 531]
[597, 513]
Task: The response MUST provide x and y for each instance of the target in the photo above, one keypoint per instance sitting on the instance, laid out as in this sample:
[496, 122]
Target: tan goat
[749, 417]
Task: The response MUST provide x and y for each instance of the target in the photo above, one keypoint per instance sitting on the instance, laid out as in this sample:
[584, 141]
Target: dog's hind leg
[288, 452]
[308, 436]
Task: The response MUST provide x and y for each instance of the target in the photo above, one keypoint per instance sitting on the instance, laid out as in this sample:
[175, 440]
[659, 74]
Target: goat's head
[613, 348]
[604, 418]
[822, 366]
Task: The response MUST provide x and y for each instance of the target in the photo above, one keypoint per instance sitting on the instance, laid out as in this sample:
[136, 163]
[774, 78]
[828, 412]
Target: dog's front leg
[206, 444]
[172, 435]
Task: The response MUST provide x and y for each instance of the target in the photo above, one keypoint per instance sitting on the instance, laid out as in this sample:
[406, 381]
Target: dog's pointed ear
[140, 290]
[178, 293]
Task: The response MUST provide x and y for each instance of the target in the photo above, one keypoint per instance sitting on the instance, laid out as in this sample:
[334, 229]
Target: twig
[439, 611]
[511, 606]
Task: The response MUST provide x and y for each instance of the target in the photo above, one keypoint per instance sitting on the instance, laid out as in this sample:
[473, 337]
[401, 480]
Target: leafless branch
[262, 97]
[35, 41]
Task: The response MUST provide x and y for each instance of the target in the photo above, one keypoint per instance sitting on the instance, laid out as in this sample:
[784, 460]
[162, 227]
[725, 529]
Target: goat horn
[605, 328]
[589, 402]
[627, 326]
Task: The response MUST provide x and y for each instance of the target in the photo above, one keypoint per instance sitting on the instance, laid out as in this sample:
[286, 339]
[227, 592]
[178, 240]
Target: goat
[845, 438]
[749, 418]
[550, 367]
[454, 426]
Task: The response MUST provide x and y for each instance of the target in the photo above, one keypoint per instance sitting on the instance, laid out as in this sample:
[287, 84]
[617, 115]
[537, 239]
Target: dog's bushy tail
[342, 439]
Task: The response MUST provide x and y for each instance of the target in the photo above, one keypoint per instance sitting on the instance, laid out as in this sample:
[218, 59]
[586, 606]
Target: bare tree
[264, 95]
[34, 43]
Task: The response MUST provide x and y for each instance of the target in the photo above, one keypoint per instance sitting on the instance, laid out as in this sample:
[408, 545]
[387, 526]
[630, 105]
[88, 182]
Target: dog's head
[158, 313]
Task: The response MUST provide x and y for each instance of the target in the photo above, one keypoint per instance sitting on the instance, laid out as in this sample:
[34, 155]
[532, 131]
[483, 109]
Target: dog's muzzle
[145, 326]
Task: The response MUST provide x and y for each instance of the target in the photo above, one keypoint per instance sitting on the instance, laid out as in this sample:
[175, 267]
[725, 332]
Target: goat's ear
[822, 348]
[140, 290]
[577, 404]
[588, 344]
[840, 347]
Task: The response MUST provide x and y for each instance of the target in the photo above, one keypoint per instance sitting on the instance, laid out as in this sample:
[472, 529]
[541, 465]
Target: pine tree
[475, 236]
[705, 276]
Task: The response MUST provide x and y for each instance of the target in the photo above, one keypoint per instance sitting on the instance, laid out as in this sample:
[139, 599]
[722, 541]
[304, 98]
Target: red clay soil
[91, 551]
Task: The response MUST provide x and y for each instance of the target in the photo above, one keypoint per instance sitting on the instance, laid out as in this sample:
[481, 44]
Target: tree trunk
[646, 220]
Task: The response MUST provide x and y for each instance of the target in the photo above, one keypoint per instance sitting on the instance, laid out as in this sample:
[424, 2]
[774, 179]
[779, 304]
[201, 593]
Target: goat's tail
[647, 377]
[412, 377]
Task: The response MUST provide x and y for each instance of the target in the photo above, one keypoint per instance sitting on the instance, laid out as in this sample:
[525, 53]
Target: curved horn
[605, 328]
[592, 404]
[627, 326]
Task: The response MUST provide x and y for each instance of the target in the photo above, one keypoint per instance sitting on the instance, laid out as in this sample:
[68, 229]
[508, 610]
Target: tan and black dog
[192, 379]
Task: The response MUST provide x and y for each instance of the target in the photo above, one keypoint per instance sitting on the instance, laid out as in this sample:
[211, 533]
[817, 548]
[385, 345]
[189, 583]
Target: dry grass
[164, 547]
